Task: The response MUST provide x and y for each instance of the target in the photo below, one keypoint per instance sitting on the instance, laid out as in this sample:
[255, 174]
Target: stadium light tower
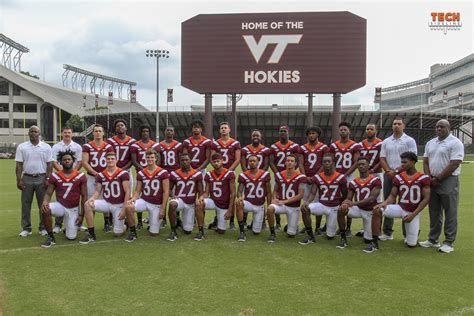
[155, 53]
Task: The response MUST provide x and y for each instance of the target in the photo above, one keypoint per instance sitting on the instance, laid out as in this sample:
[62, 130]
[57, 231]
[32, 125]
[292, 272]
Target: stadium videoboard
[320, 52]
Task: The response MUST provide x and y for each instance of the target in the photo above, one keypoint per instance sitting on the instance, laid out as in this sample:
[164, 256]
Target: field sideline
[223, 277]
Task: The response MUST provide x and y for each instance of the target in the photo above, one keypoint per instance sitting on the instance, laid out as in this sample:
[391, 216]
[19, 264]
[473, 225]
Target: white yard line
[75, 244]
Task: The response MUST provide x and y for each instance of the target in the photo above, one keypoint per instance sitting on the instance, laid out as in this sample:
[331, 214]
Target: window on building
[3, 107]
[29, 108]
[4, 123]
[17, 90]
[3, 87]
[23, 123]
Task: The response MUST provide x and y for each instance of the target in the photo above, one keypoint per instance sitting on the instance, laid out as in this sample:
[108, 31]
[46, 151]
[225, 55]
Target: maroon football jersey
[343, 154]
[330, 190]
[152, 184]
[186, 186]
[372, 152]
[97, 155]
[227, 150]
[112, 187]
[122, 149]
[170, 155]
[261, 152]
[139, 148]
[362, 189]
[410, 191]
[289, 187]
[220, 187]
[313, 157]
[68, 189]
[197, 150]
[280, 152]
[255, 187]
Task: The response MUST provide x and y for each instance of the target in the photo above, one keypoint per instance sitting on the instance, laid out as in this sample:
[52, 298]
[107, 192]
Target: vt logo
[281, 41]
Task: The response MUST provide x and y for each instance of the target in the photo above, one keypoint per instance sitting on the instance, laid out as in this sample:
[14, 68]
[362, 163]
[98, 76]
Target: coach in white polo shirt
[65, 144]
[392, 148]
[442, 161]
[34, 164]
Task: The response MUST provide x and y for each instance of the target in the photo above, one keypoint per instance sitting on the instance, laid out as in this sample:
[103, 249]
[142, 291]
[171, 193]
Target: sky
[110, 37]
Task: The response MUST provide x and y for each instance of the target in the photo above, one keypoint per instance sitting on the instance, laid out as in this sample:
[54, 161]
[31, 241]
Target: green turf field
[223, 277]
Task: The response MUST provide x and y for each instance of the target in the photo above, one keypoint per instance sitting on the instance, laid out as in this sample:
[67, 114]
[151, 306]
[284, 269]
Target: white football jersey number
[142, 158]
[281, 158]
[312, 159]
[95, 161]
[216, 189]
[196, 151]
[410, 194]
[255, 190]
[181, 185]
[287, 191]
[225, 155]
[169, 157]
[112, 189]
[362, 193]
[328, 192]
[373, 154]
[121, 152]
[343, 160]
[69, 187]
[151, 185]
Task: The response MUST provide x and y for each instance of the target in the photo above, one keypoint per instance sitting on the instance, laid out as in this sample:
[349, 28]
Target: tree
[28, 74]
[75, 122]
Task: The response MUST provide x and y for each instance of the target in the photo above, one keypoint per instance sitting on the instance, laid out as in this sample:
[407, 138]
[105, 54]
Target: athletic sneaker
[199, 236]
[360, 233]
[385, 237]
[319, 232]
[131, 237]
[370, 248]
[302, 230]
[24, 233]
[83, 228]
[446, 248]
[242, 237]
[139, 226]
[43, 232]
[429, 244]
[272, 238]
[249, 226]
[87, 239]
[342, 244]
[349, 233]
[107, 228]
[57, 229]
[277, 228]
[212, 226]
[146, 220]
[172, 236]
[232, 226]
[306, 241]
[163, 224]
[49, 242]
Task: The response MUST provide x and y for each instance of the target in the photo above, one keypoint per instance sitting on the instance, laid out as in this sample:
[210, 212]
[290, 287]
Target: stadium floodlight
[156, 53]
[9, 48]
